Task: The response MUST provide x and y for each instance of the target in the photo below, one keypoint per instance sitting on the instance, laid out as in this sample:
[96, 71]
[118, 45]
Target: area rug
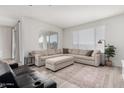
[83, 76]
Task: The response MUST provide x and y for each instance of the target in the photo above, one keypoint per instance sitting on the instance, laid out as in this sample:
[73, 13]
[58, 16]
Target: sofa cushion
[84, 57]
[75, 51]
[50, 56]
[33, 53]
[70, 51]
[43, 53]
[95, 52]
[59, 51]
[39, 53]
[51, 51]
[43, 58]
[83, 52]
[68, 54]
[59, 60]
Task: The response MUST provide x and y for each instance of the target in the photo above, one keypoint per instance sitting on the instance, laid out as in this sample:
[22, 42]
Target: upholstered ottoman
[57, 63]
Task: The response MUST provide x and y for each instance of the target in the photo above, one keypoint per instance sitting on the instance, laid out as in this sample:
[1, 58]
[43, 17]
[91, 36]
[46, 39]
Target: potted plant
[109, 52]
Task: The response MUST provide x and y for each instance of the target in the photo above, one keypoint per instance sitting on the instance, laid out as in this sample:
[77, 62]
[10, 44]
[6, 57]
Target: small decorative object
[29, 54]
[109, 52]
[100, 42]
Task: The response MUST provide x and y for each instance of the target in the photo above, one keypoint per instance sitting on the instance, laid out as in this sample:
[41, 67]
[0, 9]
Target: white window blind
[75, 39]
[100, 35]
[88, 38]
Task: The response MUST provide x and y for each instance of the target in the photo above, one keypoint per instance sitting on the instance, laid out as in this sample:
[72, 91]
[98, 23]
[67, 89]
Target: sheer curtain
[16, 45]
[13, 43]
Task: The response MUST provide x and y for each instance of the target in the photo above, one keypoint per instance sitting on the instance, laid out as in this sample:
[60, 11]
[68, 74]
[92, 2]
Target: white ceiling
[61, 16]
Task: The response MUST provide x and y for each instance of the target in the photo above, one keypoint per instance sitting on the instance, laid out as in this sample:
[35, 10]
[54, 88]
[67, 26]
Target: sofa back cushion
[44, 53]
[59, 51]
[51, 51]
[35, 53]
[75, 51]
[83, 52]
[70, 51]
[39, 53]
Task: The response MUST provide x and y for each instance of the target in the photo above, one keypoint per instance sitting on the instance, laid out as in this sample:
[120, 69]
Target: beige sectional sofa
[79, 56]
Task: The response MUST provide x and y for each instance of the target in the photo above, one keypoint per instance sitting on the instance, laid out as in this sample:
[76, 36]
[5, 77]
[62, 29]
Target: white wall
[114, 35]
[31, 29]
[5, 42]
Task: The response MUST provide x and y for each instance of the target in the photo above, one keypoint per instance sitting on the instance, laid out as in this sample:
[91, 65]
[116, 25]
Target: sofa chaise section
[57, 63]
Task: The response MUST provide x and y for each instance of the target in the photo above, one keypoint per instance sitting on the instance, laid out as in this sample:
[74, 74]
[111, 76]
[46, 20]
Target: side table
[29, 60]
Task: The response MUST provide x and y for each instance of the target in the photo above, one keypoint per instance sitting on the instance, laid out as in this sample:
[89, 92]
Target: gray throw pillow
[89, 53]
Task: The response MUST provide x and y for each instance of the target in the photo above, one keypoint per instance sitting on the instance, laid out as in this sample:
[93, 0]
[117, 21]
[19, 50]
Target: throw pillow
[89, 53]
[65, 51]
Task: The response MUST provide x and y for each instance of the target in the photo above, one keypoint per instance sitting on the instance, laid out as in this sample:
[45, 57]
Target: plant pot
[109, 63]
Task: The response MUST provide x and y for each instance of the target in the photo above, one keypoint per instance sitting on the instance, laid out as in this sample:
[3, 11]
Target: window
[100, 33]
[88, 38]
[48, 40]
[84, 39]
[75, 39]
[53, 40]
[100, 36]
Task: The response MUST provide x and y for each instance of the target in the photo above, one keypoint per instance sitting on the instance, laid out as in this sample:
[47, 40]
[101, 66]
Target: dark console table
[29, 60]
